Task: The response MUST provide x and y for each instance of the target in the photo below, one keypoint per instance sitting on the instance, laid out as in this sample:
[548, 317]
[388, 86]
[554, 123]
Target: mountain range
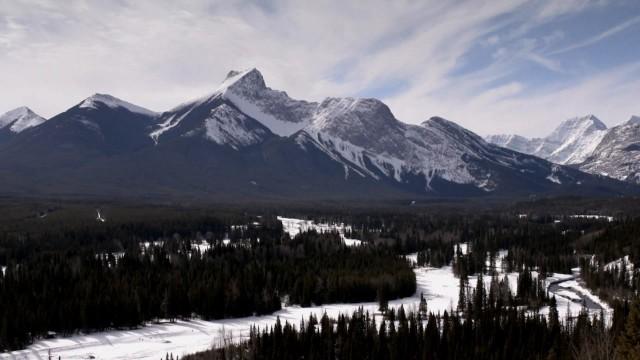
[587, 144]
[248, 141]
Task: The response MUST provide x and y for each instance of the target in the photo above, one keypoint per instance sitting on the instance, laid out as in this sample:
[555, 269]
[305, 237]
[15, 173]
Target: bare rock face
[618, 154]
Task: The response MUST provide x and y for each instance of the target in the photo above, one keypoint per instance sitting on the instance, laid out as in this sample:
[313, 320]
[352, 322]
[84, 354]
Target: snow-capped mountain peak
[577, 138]
[20, 119]
[250, 80]
[94, 101]
[361, 134]
[569, 143]
[351, 117]
[576, 125]
[248, 92]
[283, 115]
[246, 139]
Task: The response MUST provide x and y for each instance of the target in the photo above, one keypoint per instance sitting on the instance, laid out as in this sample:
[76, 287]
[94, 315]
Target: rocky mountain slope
[246, 140]
[618, 154]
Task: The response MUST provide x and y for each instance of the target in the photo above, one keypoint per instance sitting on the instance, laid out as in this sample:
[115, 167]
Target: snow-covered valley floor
[439, 286]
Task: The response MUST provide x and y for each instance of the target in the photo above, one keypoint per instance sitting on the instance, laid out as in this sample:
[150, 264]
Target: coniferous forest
[76, 289]
[64, 273]
[495, 333]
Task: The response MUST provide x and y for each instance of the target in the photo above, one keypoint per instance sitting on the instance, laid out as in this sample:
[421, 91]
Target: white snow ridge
[95, 100]
[20, 119]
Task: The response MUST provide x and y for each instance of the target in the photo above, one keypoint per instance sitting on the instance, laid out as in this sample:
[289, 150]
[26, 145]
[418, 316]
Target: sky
[493, 66]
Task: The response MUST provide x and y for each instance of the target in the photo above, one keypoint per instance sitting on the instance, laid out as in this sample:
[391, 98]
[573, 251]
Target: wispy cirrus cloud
[474, 61]
[599, 37]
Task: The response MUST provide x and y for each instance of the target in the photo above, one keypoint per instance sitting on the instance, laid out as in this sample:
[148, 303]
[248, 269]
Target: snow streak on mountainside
[274, 109]
[570, 143]
[365, 137]
[577, 138]
[247, 91]
[362, 135]
[20, 119]
[246, 139]
[228, 126]
[618, 154]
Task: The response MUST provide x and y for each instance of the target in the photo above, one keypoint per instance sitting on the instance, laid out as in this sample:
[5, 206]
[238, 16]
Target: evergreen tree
[422, 308]
[628, 346]
[383, 300]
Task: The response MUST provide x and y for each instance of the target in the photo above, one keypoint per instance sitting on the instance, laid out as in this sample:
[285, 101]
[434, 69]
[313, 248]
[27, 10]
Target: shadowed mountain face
[247, 141]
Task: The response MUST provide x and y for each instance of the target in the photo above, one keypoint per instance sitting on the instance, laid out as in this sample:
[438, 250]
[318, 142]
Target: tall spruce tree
[628, 346]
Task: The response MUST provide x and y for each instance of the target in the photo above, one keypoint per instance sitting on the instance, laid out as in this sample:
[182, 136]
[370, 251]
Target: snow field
[294, 227]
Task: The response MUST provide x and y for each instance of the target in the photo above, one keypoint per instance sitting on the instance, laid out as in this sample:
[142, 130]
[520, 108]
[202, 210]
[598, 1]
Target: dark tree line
[73, 275]
[68, 291]
[506, 334]
[617, 281]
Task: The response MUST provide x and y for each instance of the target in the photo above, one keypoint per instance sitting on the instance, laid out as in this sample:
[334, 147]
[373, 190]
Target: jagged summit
[20, 119]
[570, 143]
[361, 134]
[250, 77]
[247, 91]
[247, 139]
[588, 121]
[249, 82]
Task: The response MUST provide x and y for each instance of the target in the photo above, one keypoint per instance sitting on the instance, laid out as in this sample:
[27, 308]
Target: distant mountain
[586, 144]
[515, 142]
[18, 120]
[570, 143]
[248, 141]
[577, 138]
[101, 125]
